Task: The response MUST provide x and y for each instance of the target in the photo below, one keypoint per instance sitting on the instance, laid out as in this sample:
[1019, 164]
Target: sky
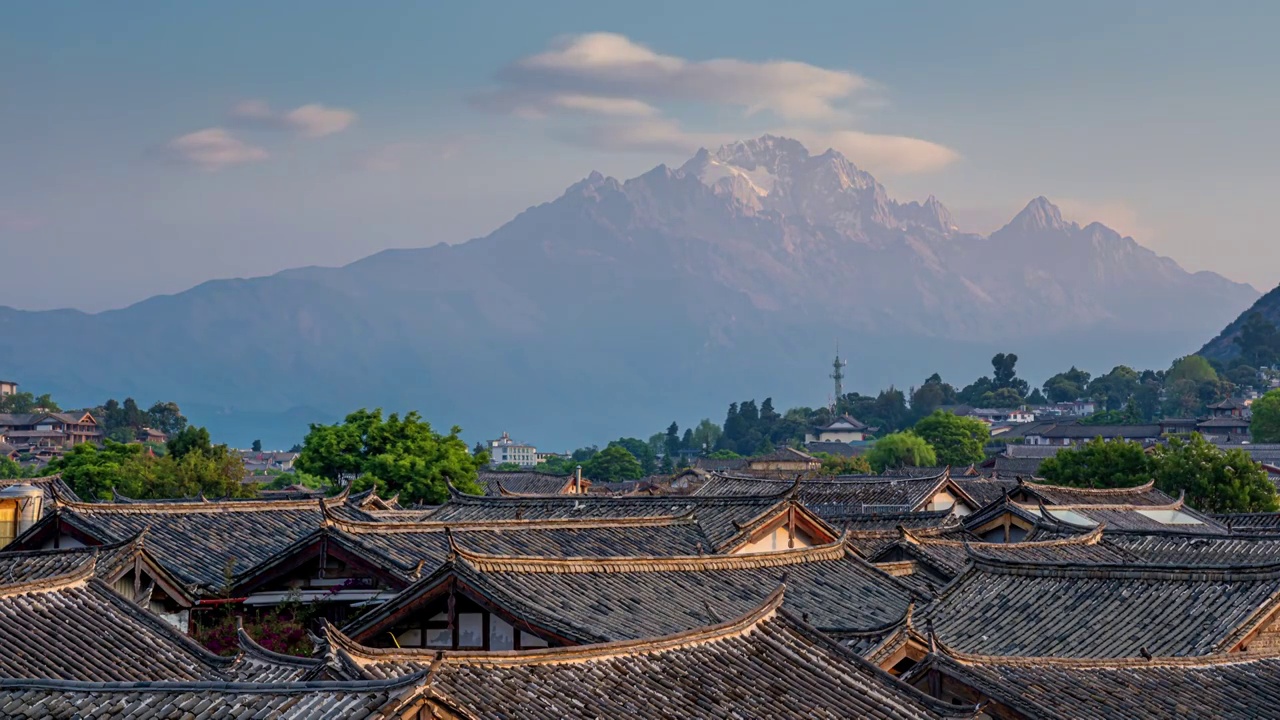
[146, 148]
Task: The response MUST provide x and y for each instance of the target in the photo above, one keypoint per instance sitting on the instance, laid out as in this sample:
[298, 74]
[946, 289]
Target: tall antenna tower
[837, 374]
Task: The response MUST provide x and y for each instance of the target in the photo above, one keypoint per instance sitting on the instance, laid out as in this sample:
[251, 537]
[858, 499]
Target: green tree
[612, 464]
[508, 467]
[166, 417]
[841, 465]
[671, 441]
[641, 451]
[1002, 398]
[1114, 389]
[256, 446]
[706, 436]
[899, 450]
[1066, 386]
[192, 439]
[396, 455]
[93, 472]
[1099, 463]
[957, 441]
[1192, 367]
[1006, 375]
[724, 455]
[1265, 426]
[1214, 481]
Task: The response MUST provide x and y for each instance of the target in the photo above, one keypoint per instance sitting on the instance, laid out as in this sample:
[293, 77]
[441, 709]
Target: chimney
[577, 480]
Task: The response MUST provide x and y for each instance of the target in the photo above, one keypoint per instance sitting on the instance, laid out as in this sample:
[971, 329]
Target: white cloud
[609, 65]
[394, 157]
[310, 121]
[628, 89]
[889, 154]
[213, 149]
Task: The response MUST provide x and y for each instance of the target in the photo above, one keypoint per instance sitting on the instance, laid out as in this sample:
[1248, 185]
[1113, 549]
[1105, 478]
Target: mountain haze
[621, 305]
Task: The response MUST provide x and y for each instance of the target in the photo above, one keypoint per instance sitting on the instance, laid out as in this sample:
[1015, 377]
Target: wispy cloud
[606, 91]
[213, 149]
[310, 121]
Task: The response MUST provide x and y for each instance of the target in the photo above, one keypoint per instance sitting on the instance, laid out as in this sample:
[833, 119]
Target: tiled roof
[51, 487]
[839, 496]
[1145, 494]
[522, 483]
[721, 519]
[257, 664]
[785, 454]
[839, 449]
[1089, 610]
[1267, 453]
[719, 465]
[768, 663]
[603, 599]
[54, 700]
[196, 540]
[1267, 523]
[1132, 518]
[1197, 550]
[1015, 467]
[985, 490]
[1077, 431]
[74, 627]
[1231, 687]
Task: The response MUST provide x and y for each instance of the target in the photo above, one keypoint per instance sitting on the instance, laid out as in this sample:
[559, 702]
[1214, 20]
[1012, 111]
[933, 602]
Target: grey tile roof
[985, 490]
[1089, 610]
[838, 496]
[603, 599]
[1233, 687]
[767, 663]
[720, 518]
[1265, 523]
[257, 664]
[522, 483]
[1145, 494]
[51, 699]
[196, 540]
[74, 627]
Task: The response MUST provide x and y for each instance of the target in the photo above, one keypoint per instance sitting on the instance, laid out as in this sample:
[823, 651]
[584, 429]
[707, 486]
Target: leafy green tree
[724, 455]
[10, 470]
[1099, 463]
[1265, 426]
[1006, 375]
[166, 417]
[841, 465]
[641, 451]
[671, 441]
[612, 464]
[556, 465]
[1192, 367]
[508, 467]
[1002, 398]
[973, 393]
[396, 455]
[1214, 481]
[93, 472]
[1066, 386]
[1037, 398]
[706, 436]
[1114, 389]
[957, 441]
[899, 450]
[190, 440]
[256, 446]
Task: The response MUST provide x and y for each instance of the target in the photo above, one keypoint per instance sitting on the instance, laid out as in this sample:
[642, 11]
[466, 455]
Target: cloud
[607, 92]
[608, 65]
[890, 154]
[1115, 214]
[213, 149]
[310, 121]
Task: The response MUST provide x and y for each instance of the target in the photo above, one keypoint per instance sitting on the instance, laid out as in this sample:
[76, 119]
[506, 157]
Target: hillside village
[1052, 559]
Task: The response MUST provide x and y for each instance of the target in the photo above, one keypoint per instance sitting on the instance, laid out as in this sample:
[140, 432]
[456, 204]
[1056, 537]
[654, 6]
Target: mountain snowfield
[622, 305]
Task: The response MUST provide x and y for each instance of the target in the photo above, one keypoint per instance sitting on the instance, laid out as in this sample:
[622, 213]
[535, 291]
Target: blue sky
[145, 151]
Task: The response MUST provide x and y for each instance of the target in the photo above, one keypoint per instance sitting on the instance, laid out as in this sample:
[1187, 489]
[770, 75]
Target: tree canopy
[899, 450]
[1099, 463]
[1265, 426]
[129, 469]
[1213, 480]
[613, 464]
[841, 465]
[396, 455]
[957, 441]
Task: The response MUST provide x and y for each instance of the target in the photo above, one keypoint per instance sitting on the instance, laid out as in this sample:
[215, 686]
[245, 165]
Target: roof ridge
[1112, 570]
[579, 653]
[484, 562]
[1177, 504]
[139, 507]
[1210, 660]
[184, 686]
[1132, 490]
[76, 577]
[384, 527]
[250, 648]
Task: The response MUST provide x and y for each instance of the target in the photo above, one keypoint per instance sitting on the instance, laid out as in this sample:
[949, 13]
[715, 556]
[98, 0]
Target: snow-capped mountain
[621, 305]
